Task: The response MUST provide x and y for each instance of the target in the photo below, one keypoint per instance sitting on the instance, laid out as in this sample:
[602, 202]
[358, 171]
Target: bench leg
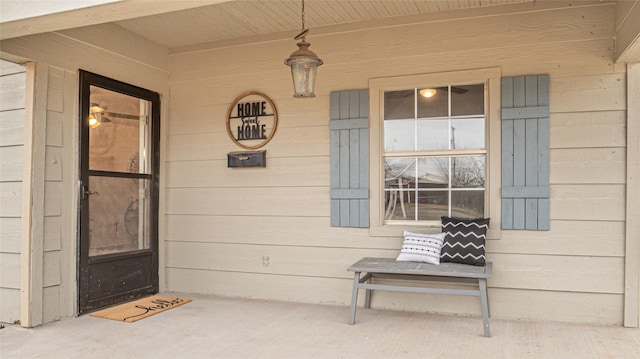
[484, 302]
[354, 298]
[367, 296]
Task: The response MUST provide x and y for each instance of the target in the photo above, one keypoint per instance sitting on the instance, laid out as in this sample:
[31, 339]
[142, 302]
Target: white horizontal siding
[265, 232]
[12, 112]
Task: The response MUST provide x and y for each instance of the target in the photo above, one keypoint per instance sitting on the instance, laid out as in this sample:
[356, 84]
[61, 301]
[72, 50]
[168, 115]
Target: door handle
[86, 192]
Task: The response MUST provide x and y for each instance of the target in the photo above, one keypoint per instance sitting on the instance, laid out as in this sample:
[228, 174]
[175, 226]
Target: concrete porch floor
[219, 327]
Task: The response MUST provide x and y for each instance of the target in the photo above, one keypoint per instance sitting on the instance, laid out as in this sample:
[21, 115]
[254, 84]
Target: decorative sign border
[247, 116]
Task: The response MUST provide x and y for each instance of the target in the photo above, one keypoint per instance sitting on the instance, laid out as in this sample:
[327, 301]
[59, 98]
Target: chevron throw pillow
[418, 247]
[464, 240]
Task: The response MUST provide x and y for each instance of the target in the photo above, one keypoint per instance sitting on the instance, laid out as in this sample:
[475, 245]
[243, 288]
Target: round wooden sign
[252, 120]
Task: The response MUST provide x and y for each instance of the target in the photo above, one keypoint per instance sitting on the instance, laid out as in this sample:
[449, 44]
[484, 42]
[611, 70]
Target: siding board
[51, 304]
[12, 127]
[10, 308]
[558, 273]
[11, 162]
[12, 89]
[53, 164]
[604, 92]
[10, 232]
[275, 201]
[569, 238]
[286, 171]
[273, 231]
[588, 166]
[51, 269]
[10, 68]
[256, 258]
[10, 270]
[54, 129]
[11, 197]
[299, 142]
[52, 233]
[588, 129]
[265, 286]
[601, 202]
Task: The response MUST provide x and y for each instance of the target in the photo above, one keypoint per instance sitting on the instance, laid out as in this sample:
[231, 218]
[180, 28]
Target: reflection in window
[119, 153]
[119, 215]
[444, 172]
[119, 132]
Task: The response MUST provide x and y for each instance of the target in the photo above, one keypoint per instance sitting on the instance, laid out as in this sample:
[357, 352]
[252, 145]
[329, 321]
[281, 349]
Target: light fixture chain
[302, 15]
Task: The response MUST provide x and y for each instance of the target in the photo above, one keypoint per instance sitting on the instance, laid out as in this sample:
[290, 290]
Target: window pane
[399, 205]
[467, 133]
[467, 100]
[468, 204]
[468, 172]
[399, 104]
[433, 134]
[435, 106]
[119, 215]
[400, 173]
[433, 172]
[446, 118]
[432, 205]
[399, 135]
[119, 136]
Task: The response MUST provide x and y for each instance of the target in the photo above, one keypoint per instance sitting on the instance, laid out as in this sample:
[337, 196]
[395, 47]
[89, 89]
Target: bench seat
[389, 268]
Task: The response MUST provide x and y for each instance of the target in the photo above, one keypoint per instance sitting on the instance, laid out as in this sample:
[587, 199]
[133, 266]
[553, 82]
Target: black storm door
[119, 156]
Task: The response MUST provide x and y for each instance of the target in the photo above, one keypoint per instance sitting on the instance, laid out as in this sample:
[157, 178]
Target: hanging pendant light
[303, 63]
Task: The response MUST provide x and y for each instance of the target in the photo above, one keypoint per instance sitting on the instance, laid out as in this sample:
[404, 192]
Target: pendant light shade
[304, 64]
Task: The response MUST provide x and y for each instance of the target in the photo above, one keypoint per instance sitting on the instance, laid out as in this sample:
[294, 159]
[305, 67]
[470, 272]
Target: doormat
[140, 309]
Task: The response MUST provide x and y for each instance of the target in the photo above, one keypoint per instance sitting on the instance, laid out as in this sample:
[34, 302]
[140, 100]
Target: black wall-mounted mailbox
[247, 159]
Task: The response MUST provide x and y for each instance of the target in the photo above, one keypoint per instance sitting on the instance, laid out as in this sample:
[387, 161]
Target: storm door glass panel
[118, 215]
[119, 172]
[119, 134]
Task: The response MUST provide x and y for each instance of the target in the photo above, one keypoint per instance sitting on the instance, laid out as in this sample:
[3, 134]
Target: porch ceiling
[240, 18]
[181, 23]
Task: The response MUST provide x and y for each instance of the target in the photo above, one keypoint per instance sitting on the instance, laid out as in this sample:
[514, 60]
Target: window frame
[491, 77]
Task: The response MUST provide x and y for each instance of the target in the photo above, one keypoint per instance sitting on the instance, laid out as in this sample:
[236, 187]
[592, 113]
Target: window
[435, 149]
[434, 152]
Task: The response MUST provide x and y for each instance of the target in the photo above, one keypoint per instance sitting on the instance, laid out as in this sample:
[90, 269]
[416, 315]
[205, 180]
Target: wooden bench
[389, 268]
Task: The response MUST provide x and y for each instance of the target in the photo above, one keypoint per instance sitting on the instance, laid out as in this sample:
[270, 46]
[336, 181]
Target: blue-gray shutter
[349, 126]
[525, 152]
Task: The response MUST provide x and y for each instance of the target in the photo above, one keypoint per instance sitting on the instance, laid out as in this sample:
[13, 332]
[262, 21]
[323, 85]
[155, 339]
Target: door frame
[87, 79]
